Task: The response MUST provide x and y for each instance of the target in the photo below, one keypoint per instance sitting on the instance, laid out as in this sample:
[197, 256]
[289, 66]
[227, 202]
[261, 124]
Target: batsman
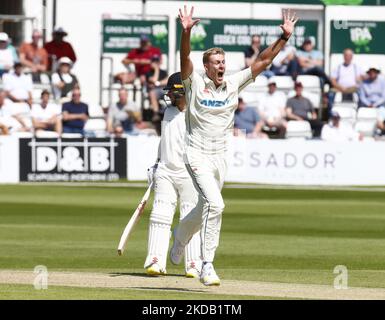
[171, 181]
[212, 99]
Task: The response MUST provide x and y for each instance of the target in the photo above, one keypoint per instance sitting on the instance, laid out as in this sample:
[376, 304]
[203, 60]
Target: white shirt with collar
[44, 114]
[210, 110]
[347, 75]
[341, 133]
[172, 141]
[18, 86]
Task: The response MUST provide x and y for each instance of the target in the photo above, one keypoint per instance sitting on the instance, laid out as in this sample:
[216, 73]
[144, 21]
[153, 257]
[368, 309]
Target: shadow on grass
[142, 275]
[170, 289]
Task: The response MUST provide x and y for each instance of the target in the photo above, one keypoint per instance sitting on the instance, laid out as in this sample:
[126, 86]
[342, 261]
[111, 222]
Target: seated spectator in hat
[336, 131]
[74, 114]
[34, 57]
[58, 48]
[46, 116]
[252, 52]
[141, 58]
[346, 78]
[271, 109]
[284, 62]
[123, 116]
[156, 79]
[63, 80]
[301, 109]
[310, 62]
[371, 93]
[8, 54]
[18, 86]
[247, 122]
[10, 120]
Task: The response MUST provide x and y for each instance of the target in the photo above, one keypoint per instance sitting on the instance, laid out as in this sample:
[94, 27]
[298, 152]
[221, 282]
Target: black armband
[282, 37]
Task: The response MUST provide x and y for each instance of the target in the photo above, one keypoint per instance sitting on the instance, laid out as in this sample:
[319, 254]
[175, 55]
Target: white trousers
[168, 188]
[208, 173]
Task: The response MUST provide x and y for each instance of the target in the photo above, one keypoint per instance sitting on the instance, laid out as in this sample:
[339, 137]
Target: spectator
[301, 109]
[346, 78]
[141, 58]
[8, 55]
[58, 48]
[371, 93]
[74, 114]
[123, 115]
[18, 86]
[335, 131]
[156, 79]
[63, 80]
[9, 120]
[310, 61]
[247, 121]
[4, 123]
[272, 109]
[251, 54]
[34, 57]
[46, 116]
[284, 63]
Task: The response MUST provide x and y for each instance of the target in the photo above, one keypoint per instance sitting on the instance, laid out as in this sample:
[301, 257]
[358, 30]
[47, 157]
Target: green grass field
[289, 236]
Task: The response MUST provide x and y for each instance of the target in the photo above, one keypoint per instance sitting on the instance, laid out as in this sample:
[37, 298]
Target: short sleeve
[65, 107]
[55, 79]
[334, 73]
[256, 115]
[187, 83]
[289, 103]
[34, 111]
[7, 83]
[131, 54]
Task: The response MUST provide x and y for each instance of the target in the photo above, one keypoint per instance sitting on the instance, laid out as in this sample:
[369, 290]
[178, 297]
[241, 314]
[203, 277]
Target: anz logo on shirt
[214, 103]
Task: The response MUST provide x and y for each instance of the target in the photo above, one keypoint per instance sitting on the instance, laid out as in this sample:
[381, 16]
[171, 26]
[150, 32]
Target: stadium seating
[96, 127]
[310, 83]
[298, 130]
[284, 83]
[348, 115]
[313, 97]
[366, 121]
[252, 94]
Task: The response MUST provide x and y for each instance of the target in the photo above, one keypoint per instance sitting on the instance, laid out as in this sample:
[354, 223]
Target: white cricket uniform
[209, 123]
[172, 181]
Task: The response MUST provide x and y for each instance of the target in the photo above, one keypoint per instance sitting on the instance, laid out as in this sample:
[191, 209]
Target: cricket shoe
[192, 271]
[209, 276]
[177, 251]
[155, 270]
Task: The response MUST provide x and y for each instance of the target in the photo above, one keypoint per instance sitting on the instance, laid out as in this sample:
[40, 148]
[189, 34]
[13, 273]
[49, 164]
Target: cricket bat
[134, 219]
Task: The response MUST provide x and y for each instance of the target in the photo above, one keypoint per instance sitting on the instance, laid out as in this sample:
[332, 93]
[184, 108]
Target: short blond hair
[211, 52]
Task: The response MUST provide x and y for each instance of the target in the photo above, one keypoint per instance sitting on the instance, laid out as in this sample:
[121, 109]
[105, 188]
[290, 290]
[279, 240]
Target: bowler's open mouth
[220, 74]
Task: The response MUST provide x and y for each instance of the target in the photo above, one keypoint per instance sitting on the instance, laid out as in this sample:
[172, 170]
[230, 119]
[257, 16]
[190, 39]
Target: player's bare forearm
[267, 56]
[187, 22]
[186, 65]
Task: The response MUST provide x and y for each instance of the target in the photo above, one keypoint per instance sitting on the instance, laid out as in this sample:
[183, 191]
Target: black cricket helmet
[174, 84]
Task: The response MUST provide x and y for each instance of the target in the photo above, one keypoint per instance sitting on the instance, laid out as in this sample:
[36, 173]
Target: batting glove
[151, 173]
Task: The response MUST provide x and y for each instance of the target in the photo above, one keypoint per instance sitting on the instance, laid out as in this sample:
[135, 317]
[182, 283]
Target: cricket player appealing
[211, 101]
[171, 181]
